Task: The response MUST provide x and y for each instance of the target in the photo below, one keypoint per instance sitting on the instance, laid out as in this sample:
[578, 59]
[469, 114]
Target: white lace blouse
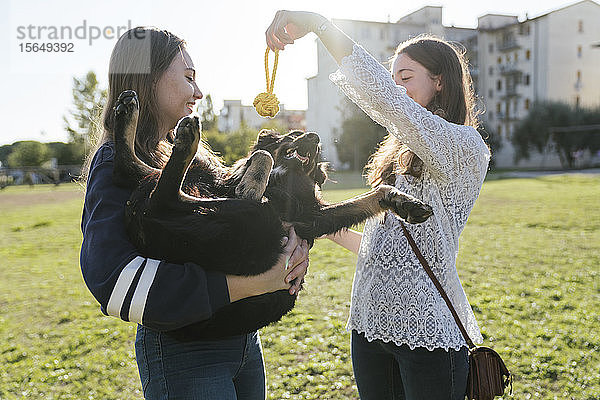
[393, 299]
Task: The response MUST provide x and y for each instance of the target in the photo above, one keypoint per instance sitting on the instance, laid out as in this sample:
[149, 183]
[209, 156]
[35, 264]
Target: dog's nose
[313, 137]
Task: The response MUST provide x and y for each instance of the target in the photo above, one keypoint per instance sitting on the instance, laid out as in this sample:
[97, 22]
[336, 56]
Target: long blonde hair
[455, 102]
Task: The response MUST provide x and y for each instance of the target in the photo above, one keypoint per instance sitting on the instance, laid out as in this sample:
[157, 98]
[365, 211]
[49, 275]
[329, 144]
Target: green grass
[529, 262]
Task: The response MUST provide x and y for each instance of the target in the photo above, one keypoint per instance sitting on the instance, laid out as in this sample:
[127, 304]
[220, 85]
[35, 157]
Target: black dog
[196, 211]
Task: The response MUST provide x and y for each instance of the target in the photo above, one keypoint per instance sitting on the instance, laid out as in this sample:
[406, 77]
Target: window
[499, 60]
[580, 26]
[498, 107]
[366, 33]
[491, 47]
[579, 51]
[499, 85]
[527, 104]
[524, 30]
[578, 76]
[491, 94]
[527, 79]
[499, 129]
[577, 101]
[508, 58]
[528, 54]
[491, 71]
[516, 56]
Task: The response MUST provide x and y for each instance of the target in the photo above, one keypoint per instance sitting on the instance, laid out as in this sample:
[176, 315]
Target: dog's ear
[265, 138]
[320, 173]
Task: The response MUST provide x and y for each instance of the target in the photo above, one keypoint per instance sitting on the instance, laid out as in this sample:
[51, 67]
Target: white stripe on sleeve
[115, 303]
[138, 302]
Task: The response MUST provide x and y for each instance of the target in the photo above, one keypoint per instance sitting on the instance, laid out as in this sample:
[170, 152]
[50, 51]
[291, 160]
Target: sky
[225, 39]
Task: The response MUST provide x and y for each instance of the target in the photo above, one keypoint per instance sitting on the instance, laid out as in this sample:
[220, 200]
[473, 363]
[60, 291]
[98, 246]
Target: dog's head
[295, 151]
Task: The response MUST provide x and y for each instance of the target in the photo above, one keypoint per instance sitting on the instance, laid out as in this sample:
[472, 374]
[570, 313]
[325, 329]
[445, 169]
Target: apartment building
[513, 63]
[551, 57]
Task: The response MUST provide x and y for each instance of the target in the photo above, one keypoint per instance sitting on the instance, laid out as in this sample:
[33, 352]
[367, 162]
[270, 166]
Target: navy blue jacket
[127, 285]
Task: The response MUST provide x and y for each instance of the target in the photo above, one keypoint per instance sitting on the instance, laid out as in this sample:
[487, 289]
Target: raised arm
[444, 147]
[288, 26]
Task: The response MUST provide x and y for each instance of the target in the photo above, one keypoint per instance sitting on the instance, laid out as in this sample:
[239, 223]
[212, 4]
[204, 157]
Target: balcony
[507, 45]
[510, 92]
[510, 68]
[504, 117]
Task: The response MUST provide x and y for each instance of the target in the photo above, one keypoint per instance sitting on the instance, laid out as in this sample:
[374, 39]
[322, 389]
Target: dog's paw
[256, 177]
[248, 191]
[187, 134]
[409, 208]
[127, 106]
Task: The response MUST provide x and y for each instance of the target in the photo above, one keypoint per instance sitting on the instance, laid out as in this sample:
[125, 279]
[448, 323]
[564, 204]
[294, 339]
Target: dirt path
[35, 196]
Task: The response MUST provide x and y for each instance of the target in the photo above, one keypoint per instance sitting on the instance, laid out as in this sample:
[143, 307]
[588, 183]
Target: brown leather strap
[437, 284]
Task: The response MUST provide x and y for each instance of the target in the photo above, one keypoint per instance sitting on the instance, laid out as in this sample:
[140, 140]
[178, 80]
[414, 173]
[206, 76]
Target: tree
[569, 128]
[492, 139]
[28, 154]
[275, 124]
[67, 153]
[88, 101]
[5, 151]
[359, 137]
[231, 146]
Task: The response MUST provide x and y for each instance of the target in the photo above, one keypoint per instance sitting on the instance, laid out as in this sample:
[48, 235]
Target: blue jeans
[226, 369]
[386, 371]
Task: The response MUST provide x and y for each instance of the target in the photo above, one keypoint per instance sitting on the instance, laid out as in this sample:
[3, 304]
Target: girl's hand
[298, 260]
[292, 264]
[288, 26]
[298, 271]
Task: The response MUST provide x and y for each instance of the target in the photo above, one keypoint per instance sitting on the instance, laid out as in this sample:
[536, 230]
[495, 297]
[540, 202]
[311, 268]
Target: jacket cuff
[218, 291]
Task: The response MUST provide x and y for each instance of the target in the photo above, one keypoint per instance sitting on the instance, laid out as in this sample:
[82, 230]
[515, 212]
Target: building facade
[513, 64]
[548, 58]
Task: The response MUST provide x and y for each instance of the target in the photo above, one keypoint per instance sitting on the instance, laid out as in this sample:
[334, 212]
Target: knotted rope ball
[266, 103]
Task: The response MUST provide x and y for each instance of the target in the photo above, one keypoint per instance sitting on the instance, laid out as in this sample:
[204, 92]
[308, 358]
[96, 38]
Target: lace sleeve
[436, 141]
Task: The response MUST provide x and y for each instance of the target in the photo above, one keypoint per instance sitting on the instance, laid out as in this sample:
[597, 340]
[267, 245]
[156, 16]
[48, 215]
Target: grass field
[529, 262]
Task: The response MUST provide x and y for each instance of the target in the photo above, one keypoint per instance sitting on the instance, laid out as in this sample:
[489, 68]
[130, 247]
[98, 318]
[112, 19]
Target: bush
[569, 128]
[28, 154]
[231, 146]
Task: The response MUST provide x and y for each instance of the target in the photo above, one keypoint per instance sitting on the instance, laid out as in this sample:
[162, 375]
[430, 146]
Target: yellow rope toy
[266, 103]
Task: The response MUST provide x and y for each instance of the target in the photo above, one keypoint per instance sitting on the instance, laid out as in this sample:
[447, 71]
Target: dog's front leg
[129, 170]
[335, 217]
[409, 208]
[256, 176]
[168, 188]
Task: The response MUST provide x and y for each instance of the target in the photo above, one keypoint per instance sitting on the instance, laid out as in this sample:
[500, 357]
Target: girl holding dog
[405, 342]
[158, 295]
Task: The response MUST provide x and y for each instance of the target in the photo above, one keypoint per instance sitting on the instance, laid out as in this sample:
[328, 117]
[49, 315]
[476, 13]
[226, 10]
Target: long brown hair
[139, 59]
[455, 102]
